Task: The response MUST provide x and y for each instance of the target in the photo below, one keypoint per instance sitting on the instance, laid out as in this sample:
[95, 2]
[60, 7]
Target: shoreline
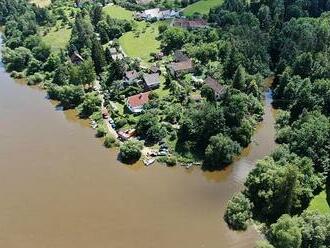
[147, 152]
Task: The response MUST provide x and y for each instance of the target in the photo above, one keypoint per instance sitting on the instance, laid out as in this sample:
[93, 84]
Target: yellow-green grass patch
[141, 42]
[201, 7]
[320, 204]
[57, 38]
[118, 12]
[41, 3]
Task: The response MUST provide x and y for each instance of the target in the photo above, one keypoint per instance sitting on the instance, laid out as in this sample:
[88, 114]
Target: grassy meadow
[118, 12]
[57, 38]
[140, 42]
[201, 7]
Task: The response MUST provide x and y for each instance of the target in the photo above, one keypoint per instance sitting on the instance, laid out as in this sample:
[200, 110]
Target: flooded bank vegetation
[282, 185]
[208, 96]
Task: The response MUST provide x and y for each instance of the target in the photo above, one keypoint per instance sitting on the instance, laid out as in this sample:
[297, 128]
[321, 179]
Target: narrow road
[111, 130]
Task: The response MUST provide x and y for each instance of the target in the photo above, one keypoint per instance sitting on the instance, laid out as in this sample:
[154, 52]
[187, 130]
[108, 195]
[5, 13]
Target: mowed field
[140, 42]
[201, 7]
[118, 12]
[319, 203]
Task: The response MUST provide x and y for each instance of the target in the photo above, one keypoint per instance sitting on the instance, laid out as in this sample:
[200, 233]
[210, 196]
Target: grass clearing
[57, 39]
[141, 42]
[201, 7]
[118, 12]
[41, 3]
[319, 203]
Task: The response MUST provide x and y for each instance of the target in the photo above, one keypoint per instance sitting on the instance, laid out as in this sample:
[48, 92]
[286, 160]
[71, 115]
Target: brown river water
[59, 188]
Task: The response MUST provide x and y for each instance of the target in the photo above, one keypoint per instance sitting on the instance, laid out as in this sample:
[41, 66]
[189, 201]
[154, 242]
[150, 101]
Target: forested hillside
[282, 185]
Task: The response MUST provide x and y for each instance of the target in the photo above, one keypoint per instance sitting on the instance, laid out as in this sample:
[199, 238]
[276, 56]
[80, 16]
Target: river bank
[60, 188]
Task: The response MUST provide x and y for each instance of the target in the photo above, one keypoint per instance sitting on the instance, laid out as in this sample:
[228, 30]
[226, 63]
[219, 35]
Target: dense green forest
[246, 41]
[280, 188]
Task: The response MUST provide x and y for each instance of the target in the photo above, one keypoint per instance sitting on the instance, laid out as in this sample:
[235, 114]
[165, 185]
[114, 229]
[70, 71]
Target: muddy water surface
[60, 188]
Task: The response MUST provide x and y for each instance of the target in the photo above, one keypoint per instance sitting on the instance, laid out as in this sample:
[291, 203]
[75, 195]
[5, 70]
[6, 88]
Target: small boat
[189, 165]
[148, 162]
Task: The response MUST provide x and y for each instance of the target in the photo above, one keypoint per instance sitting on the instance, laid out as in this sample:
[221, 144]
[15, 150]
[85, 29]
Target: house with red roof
[136, 103]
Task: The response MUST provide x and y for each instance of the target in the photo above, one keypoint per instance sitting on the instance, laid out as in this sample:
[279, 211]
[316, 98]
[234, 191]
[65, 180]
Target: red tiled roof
[196, 23]
[139, 99]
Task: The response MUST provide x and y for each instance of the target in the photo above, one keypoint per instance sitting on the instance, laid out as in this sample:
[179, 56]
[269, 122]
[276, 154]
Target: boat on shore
[148, 162]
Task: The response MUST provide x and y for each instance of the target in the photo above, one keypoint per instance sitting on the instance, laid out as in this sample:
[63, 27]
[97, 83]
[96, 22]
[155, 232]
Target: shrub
[130, 151]
[16, 74]
[101, 131]
[220, 151]
[162, 28]
[131, 120]
[110, 141]
[173, 135]
[238, 212]
[36, 78]
[171, 161]
[54, 92]
[286, 232]
[96, 116]
[155, 134]
[120, 123]
[91, 104]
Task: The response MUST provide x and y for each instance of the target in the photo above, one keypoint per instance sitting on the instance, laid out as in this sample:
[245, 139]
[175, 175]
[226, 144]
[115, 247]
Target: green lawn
[202, 7]
[118, 12]
[162, 91]
[141, 42]
[319, 203]
[57, 39]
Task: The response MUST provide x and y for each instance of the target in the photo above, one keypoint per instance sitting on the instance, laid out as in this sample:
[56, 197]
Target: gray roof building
[151, 81]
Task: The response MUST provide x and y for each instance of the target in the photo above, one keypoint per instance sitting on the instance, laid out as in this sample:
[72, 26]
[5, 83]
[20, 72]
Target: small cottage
[135, 103]
[178, 69]
[154, 69]
[217, 88]
[151, 81]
